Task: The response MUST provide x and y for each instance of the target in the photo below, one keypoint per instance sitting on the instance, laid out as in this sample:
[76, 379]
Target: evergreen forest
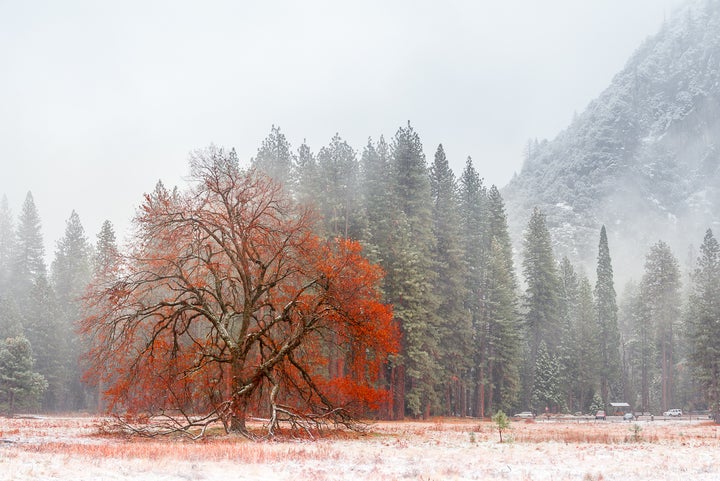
[482, 326]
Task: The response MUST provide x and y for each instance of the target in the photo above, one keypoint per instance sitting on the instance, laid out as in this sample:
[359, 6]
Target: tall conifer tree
[35, 301]
[567, 352]
[387, 241]
[703, 322]
[106, 257]
[473, 229]
[71, 273]
[542, 312]
[455, 326]
[577, 352]
[607, 319]
[587, 348]
[336, 169]
[499, 331]
[415, 304]
[660, 301]
[500, 341]
[29, 260]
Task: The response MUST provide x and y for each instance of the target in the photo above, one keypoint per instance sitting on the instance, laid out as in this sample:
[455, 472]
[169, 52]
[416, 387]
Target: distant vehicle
[628, 417]
[673, 413]
[600, 415]
[524, 415]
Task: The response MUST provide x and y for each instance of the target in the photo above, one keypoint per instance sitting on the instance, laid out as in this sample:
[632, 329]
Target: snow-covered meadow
[74, 448]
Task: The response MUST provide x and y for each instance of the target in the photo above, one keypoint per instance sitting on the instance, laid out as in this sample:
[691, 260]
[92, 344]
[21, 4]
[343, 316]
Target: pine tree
[569, 342]
[275, 158]
[542, 314]
[380, 243]
[577, 352]
[547, 394]
[29, 260]
[660, 301]
[35, 300]
[335, 172]
[587, 351]
[415, 305]
[703, 322]
[455, 326]
[500, 351]
[105, 261]
[497, 327]
[20, 386]
[71, 273]
[473, 231]
[608, 332]
[386, 241]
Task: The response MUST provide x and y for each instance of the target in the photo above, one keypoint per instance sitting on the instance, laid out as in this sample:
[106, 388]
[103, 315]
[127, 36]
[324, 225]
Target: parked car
[673, 413]
[600, 415]
[628, 417]
[524, 415]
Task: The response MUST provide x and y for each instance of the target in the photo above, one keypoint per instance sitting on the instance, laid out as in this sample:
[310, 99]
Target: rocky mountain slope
[643, 158]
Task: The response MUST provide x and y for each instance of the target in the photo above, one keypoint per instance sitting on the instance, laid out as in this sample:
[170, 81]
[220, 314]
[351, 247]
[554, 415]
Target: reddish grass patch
[79, 437]
[232, 450]
[442, 448]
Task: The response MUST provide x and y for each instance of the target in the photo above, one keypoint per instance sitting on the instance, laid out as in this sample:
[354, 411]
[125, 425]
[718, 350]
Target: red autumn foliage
[229, 305]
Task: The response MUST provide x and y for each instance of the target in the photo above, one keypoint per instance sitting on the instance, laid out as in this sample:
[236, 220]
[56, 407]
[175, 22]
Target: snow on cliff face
[644, 157]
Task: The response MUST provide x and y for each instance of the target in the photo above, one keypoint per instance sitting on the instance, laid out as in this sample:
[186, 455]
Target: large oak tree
[227, 306]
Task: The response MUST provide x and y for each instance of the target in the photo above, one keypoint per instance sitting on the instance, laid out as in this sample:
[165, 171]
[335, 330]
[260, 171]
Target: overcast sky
[100, 99]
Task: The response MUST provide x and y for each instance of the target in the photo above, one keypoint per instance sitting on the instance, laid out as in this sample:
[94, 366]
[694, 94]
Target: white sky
[100, 99]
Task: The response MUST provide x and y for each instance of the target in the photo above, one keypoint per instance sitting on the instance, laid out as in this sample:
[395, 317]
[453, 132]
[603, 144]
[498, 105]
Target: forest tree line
[478, 333]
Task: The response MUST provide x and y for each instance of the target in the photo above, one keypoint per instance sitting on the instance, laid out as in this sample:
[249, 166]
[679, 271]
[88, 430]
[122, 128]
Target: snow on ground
[72, 449]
